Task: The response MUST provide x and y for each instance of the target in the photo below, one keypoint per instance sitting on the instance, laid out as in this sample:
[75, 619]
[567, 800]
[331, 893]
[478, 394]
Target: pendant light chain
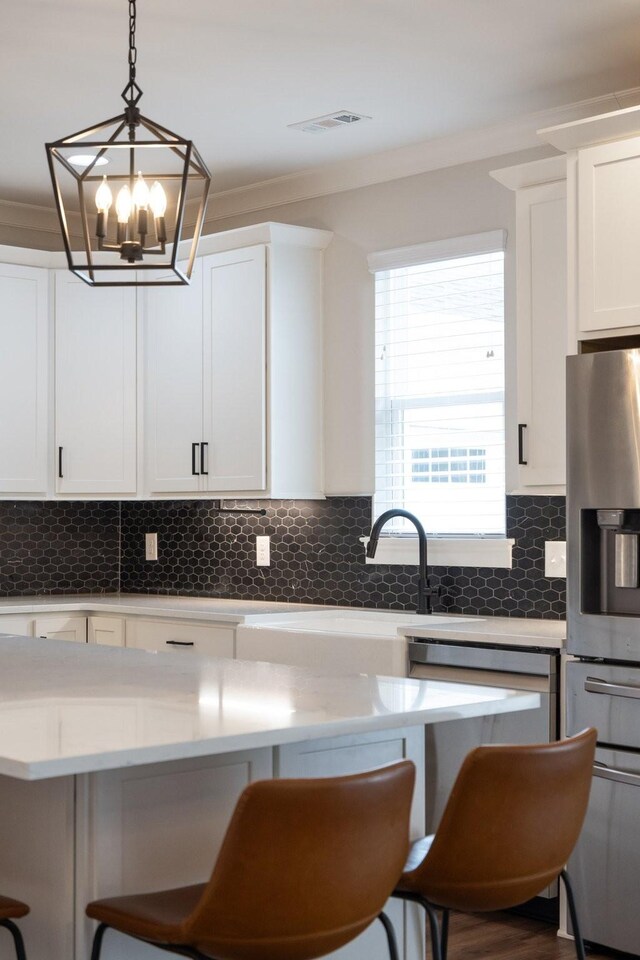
[133, 50]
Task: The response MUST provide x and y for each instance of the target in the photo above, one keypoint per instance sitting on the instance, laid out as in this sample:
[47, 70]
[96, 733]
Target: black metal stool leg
[391, 935]
[434, 929]
[97, 941]
[17, 938]
[573, 913]
[444, 943]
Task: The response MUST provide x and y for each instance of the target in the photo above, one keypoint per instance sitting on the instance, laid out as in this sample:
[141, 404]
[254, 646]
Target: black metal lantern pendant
[157, 177]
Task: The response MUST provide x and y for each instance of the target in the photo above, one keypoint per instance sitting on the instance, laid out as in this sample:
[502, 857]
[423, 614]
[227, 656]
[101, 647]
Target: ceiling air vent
[341, 118]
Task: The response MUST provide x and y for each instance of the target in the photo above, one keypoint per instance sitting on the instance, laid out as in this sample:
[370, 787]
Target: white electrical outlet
[555, 558]
[263, 551]
[151, 546]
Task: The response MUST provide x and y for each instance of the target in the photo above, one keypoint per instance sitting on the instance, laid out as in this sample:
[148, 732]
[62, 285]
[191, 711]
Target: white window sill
[445, 553]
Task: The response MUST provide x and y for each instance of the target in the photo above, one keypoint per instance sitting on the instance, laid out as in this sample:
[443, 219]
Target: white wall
[444, 203]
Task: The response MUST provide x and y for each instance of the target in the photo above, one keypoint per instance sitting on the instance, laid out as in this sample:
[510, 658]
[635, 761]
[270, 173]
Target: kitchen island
[119, 769]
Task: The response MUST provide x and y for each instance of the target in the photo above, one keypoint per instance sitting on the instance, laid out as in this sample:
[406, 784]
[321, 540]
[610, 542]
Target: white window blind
[440, 439]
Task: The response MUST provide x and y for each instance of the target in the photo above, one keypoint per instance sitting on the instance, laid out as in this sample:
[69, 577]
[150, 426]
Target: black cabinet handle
[205, 473]
[521, 429]
[194, 454]
[180, 643]
[60, 474]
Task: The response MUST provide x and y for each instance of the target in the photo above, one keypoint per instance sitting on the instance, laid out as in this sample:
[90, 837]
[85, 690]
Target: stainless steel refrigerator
[603, 684]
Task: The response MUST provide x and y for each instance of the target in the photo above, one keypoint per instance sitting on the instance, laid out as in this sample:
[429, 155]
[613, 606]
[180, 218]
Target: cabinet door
[23, 379]
[61, 628]
[541, 242]
[173, 386]
[234, 372]
[18, 626]
[95, 388]
[608, 236]
[108, 631]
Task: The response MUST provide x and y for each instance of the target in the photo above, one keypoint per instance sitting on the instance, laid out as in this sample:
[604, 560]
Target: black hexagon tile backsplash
[49, 547]
[316, 556]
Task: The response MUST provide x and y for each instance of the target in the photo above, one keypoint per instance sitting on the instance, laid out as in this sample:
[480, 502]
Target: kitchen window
[440, 394]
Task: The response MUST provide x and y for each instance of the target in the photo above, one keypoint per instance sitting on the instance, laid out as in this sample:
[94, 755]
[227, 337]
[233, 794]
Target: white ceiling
[231, 74]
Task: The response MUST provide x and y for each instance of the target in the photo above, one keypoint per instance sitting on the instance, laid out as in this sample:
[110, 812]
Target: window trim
[492, 241]
[477, 551]
[496, 552]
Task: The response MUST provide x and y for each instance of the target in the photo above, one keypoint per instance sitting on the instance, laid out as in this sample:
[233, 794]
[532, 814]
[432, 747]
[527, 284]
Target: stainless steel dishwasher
[447, 744]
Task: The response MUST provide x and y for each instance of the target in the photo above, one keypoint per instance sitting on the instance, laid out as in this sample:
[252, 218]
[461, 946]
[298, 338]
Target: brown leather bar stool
[510, 824]
[304, 868]
[11, 910]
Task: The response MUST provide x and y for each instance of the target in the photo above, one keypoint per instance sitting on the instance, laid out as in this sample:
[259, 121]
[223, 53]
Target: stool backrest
[510, 824]
[306, 865]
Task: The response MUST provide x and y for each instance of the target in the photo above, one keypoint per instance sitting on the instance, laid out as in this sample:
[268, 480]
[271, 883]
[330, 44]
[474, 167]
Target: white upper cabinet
[235, 370]
[212, 389]
[95, 388]
[541, 327]
[603, 204]
[173, 350]
[608, 239]
[23, 379]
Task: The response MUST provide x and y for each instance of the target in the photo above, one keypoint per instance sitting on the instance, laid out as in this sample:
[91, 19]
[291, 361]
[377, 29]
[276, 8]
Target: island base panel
[70, 840]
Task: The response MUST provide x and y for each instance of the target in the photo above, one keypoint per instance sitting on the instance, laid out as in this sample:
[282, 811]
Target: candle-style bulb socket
[101, 225]
[143, 223]
[161, 229]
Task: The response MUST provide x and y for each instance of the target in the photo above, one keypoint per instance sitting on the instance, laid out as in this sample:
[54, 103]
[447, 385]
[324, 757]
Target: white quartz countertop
[497, 631]
[67, 708]
[184, 608]
[515, 631]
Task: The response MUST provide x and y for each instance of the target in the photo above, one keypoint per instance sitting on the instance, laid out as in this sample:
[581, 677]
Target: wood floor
[507, 937]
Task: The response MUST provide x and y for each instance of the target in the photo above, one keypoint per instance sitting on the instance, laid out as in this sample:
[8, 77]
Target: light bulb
[104, 197]
[158, 200]
[141, 193]
[124, 204]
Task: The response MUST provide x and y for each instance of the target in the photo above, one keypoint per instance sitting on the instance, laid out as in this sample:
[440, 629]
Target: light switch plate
[263, 551]
[151, 546]
[555, 558]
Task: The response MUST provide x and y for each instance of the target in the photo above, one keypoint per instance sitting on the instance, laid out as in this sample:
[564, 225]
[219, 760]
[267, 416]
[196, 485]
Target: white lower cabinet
[340, 756]
[17, 625]
[61, 628]
[108, 631]
[181, 636]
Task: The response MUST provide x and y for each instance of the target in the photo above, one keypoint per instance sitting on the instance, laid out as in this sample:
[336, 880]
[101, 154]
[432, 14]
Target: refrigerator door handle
[593, 685]
[620, 776]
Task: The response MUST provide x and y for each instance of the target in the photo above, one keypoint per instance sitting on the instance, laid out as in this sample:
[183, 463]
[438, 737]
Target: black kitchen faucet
[425, 591]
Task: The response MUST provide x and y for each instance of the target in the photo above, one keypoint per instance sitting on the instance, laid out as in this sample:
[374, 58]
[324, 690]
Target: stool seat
[511, 822]
[304, 868]
[159, 917]
[12, 909]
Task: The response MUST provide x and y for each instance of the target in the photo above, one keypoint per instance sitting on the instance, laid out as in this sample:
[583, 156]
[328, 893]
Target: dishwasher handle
[593, 685]
[620, 776]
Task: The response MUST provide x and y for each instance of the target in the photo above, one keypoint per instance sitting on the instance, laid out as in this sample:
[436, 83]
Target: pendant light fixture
[155, 175]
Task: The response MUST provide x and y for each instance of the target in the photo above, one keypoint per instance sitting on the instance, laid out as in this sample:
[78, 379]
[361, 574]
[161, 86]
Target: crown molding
[520, 133]
[511, 136]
